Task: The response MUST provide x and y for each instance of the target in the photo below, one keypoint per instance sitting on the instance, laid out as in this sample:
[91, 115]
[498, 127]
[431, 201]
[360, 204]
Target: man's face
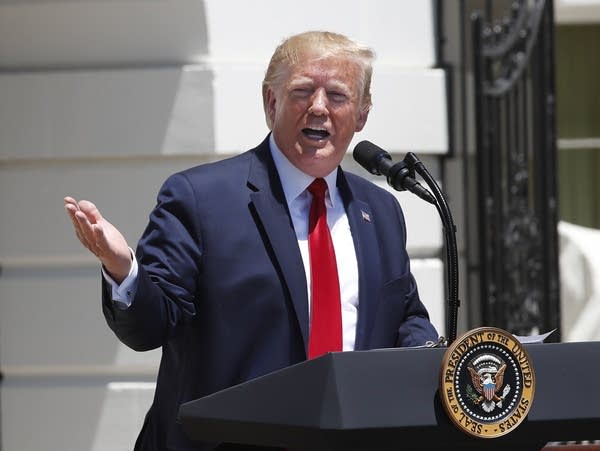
[315, 111]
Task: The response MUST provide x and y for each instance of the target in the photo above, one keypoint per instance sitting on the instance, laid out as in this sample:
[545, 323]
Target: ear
[271, 106]
[363, 114]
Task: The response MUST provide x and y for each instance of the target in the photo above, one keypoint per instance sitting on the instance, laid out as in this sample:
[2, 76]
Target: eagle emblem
[487, 382]
[487, 376]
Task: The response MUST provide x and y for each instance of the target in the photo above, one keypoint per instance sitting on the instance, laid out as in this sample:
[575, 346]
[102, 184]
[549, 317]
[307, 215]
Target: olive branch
[471, 394]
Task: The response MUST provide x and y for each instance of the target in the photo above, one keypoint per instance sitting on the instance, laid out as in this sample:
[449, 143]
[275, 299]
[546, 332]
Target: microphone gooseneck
[401, 176]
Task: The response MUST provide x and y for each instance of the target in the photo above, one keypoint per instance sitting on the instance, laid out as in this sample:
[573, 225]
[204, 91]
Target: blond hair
[318, 45]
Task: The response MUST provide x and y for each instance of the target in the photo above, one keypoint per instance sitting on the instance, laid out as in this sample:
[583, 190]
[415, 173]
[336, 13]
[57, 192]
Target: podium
[388, 400]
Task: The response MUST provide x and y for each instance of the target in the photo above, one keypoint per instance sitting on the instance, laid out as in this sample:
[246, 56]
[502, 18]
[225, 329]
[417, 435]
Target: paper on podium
[531, 339]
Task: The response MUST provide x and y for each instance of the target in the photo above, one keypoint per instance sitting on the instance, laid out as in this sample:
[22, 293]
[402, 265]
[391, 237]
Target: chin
[321, 150]
[320, 165]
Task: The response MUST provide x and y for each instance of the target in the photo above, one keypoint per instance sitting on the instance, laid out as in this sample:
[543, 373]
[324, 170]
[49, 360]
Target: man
[249, 265]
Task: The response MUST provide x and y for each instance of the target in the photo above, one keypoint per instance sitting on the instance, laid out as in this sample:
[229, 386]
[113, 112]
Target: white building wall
[102, 99]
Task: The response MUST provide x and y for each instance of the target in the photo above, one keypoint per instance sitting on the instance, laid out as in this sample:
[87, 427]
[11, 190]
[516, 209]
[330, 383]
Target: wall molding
[579, 143]
[110, 372]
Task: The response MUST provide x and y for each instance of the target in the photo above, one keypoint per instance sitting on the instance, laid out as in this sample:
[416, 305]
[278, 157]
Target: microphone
[399, 176]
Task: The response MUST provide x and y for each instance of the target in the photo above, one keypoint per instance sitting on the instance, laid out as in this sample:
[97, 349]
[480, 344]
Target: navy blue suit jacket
[222, 286]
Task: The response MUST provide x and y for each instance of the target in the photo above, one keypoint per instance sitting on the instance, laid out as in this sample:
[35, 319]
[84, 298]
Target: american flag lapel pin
[366, 216]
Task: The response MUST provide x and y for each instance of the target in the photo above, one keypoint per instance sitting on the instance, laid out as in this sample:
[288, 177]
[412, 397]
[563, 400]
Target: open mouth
[316, 134]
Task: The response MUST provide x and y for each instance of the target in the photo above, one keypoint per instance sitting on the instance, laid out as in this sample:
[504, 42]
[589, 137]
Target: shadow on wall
[82, 125]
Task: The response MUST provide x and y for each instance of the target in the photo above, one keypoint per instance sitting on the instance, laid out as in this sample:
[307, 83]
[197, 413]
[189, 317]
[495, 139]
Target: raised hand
[100, 237]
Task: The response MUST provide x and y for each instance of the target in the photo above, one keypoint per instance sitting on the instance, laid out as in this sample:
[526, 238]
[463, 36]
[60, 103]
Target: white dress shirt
[294, 184]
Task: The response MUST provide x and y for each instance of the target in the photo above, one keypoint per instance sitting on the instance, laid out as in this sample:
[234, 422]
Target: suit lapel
[273, 216]
[269, 202]
[362, 226]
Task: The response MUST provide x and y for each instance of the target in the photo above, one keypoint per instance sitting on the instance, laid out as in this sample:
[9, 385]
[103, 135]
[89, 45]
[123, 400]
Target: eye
[337, 97]
[301, 93]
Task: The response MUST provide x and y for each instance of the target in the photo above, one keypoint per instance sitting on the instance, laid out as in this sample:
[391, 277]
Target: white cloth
[123, 294]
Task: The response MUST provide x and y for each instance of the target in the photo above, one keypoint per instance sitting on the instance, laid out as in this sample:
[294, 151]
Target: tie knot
[317, 188]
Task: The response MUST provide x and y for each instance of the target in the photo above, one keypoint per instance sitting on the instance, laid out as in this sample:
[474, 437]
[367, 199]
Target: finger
[90, 210]
[83, 223]
[86, 231]
[70, 201]
[82, 218]
[100, 239]
[71, 211]
[83, 228]
[72, 207]
[89, 245]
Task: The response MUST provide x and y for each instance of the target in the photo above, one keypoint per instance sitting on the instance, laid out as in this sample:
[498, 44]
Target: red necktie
[326, 315]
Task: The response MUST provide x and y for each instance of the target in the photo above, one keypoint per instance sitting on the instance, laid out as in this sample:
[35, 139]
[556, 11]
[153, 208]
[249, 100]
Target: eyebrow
[335, 84]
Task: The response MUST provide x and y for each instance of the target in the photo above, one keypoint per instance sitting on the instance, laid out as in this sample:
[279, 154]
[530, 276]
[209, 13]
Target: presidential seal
[487, 382]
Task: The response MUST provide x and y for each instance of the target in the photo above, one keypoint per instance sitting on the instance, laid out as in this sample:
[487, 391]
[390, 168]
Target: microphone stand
[450, 235]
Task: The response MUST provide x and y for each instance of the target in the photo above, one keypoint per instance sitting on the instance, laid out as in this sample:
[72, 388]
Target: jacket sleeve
[169, 255]
[415, 329]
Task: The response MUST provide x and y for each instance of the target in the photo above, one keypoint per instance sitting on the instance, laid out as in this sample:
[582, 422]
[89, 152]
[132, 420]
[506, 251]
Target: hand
[100, 237]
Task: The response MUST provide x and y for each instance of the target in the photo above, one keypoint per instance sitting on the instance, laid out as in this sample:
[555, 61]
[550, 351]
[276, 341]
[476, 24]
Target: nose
[318, 104]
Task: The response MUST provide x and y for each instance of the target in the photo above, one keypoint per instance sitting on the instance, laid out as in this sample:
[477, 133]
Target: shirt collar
[293, 180]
